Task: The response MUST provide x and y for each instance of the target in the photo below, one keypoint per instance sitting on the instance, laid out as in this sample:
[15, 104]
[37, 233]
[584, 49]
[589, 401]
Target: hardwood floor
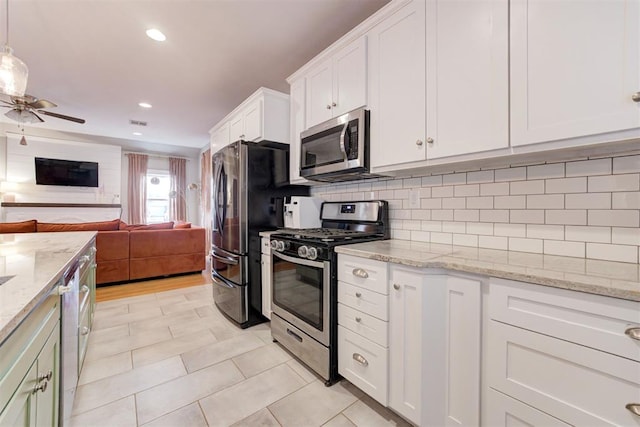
[108, 293]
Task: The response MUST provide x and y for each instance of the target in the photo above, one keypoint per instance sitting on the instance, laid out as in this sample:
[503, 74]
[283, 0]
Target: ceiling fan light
[13, 73]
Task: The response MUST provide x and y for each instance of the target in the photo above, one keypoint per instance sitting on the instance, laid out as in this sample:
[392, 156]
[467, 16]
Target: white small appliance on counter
[302, 212]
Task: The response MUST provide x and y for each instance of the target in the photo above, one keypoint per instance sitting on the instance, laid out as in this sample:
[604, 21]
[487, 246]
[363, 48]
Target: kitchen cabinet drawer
[364, 300]
[364, 363]
[363, 272]
[363, 324]
[591, 320]
[503, 411]
[84, 329]
[576, 384]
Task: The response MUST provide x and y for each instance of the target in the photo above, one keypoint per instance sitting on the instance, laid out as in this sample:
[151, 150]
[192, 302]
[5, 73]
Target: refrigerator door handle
[223, 177]
[217, 197]
[224, 259]
[221, 282]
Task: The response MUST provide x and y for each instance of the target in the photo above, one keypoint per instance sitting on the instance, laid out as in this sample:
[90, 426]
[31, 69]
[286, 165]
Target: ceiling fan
[23, 109]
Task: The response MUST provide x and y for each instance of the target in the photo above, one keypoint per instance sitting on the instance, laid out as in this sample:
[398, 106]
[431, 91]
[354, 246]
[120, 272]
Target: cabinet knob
[358, 319]
[84, 289]
[360, 359]
[40, 387]
[242, 136]
[419, 142]
[633, 332]
[636, 97]
[634, 408]
[396, 286]
[85, 330]
[429, 140]
[46, 376]
[358, 294]
[328, 107]
[333, 104]
[358, 272]
[63, 289]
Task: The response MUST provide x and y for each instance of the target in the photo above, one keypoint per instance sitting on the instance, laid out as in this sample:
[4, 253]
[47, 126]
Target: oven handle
[343, 147]
[298, 260]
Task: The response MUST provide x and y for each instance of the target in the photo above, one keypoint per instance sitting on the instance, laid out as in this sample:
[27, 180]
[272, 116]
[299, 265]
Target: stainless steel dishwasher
[69, 291]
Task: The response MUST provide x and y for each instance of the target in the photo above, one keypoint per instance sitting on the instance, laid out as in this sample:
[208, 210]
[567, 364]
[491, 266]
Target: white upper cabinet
[467, 72]
[397, 87]
[262, 116]
[296, 111]
[337, 84]
[439, 81]
[575, 67]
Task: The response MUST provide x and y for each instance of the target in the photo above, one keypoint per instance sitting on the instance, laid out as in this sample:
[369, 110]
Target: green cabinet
[29, 368]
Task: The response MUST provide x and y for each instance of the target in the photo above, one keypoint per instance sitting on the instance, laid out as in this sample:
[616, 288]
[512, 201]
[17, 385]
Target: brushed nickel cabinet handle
[360, 359]
[333, 104]
[429, 140]
[41, 387]
[358, 319]
[328, 107]
[634, 408]
[633, 332]
[636, 97]
[396, 286]
[358, 272]
[85, 330]
[419, 142]
[358, 294]
[46, 376]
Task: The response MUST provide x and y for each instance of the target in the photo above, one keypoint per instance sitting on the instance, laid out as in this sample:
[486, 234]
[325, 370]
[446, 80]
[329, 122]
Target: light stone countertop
[613, 279]
[37, 261]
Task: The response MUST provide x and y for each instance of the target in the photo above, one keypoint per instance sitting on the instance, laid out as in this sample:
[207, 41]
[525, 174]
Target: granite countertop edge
[444, 257]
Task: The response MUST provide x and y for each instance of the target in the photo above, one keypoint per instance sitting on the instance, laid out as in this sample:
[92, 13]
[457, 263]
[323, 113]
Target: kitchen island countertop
[31, 264]
[613, 279]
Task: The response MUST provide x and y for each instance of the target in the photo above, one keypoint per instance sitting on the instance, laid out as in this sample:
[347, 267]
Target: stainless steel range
[304, 267]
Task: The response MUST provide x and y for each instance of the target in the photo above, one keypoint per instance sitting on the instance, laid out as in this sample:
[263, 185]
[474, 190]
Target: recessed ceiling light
[137, 133]
[144, 104]
[156, 35]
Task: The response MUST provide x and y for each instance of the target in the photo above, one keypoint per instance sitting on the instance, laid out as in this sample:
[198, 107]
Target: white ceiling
[93, 59]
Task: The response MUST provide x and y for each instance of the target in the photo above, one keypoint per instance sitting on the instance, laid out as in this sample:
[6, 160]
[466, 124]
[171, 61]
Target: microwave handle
[343, 146]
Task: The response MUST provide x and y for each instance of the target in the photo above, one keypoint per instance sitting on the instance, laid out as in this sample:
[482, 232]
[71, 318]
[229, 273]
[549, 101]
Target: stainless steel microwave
[338, 149]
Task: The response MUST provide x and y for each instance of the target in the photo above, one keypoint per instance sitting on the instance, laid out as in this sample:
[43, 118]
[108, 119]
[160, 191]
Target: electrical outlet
[414, 198]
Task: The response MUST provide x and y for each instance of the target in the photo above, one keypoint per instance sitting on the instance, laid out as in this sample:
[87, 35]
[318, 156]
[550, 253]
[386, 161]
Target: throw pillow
[182, 225]
[159, 226]
[18, 227]
[80, 226]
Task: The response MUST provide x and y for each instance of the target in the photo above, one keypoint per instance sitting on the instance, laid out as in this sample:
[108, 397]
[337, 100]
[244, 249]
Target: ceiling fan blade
[41, 103]
[24, 116]
[37, 116]
[61, 116]
[7, 102]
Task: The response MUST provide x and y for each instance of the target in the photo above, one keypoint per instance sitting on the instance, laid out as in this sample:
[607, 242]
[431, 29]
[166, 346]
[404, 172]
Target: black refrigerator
[250, 182]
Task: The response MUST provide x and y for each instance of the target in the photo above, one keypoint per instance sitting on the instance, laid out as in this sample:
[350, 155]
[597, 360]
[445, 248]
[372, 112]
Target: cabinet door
[297, 120]
[266, 286]
[350, 77]
[467, 76]
[253, 121]
[220, 138]
[397, 87]
[21, 409]
[575, 65]
[236, 128]
[503, 411]
[48, 398]
[319, 93]
[406, 343]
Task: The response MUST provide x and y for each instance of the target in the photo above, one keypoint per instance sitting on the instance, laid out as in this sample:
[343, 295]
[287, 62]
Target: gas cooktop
[324, 234]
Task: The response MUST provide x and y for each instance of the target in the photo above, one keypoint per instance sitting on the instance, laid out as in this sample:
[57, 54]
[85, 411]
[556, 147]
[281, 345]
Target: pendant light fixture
[13, 72]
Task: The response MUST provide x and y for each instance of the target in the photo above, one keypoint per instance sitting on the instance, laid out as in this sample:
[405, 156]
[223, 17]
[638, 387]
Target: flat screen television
[66, 172]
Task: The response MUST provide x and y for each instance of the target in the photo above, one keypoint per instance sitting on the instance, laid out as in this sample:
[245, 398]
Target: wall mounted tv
[66, 172]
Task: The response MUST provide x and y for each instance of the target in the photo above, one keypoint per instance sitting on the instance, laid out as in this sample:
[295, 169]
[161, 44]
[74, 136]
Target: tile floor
[171, 359]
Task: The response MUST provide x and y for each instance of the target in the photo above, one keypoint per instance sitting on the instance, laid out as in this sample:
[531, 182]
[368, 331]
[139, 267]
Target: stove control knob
[274, 244]
[303, 251]
[280, 245]
[312, 253]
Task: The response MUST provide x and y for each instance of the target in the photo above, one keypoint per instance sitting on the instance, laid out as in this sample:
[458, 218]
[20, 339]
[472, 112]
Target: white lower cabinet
[561, 353]
[265, 268]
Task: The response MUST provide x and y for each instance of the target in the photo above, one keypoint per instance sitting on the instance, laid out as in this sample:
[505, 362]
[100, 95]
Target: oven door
[300, 294]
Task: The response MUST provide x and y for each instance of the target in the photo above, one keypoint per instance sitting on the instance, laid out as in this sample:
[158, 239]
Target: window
[158, 188]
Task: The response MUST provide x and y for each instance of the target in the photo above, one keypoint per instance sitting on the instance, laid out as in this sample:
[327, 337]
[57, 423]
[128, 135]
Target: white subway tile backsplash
[626, 164]
[525, 245]
[494, 189]
[545, 201]
[554, 170]
[566, 217]
[581, 208]
[558, 247]
[510, 230]
[614, 218]
[612, 252]
[589, 167]
[610, 183]
[537, 231]
[510, 174]
[467, 190]
[480, 176]
[588, 201]
[527, 187]
[587, 234]
[626, 200]
[566, 185]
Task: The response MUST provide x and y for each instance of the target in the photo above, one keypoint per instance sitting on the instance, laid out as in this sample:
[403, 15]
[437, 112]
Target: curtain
[205, 194]
[178, 194]
[137, 200]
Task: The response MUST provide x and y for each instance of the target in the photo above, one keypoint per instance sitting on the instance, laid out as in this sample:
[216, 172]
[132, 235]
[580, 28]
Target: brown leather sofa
[133, 252]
